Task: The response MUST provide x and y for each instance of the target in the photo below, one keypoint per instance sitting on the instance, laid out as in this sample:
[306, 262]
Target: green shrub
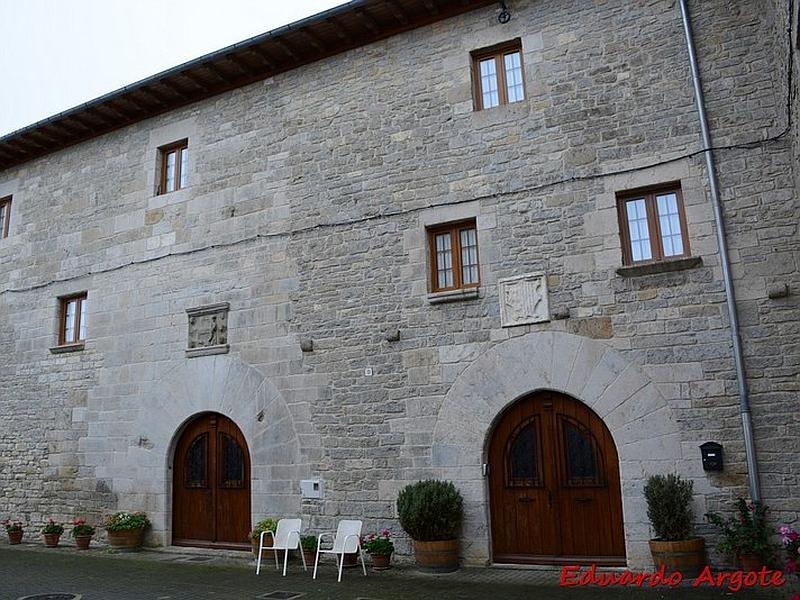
[430, 510]
[125, 521]
[669, 506]
[264, 525]
[308, 543]
[747, 532]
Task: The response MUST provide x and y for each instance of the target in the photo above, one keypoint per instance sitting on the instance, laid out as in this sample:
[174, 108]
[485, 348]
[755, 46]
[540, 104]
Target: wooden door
[554, 487]
[211, 485]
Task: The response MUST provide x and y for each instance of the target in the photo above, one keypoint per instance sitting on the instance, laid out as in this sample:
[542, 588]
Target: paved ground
[98, 575]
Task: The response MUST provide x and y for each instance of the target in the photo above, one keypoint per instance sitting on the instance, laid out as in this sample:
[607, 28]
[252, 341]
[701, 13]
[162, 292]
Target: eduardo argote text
[734, 581]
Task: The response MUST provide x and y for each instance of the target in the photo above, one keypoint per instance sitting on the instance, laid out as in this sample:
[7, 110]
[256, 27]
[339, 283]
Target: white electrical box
[311, 488]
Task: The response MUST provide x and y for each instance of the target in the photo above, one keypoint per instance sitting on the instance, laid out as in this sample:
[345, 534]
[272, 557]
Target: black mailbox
[712, 456]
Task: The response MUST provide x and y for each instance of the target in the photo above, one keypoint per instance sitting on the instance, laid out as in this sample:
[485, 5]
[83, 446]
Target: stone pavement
[176, 575]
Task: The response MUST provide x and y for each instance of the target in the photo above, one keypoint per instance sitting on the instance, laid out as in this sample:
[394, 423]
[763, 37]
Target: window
[174, 167]
[498, 75]
[73, 319]
[652, 225]
[454, 256]
[5, 216]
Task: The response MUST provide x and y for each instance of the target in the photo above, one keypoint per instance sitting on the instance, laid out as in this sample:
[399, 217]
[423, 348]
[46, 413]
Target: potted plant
[308, 544]
[126, 530]
[267, 524]
[669, 509]
[52, 533]
[431, 512]
[82, 533]
[380, 548]
[14, 531]
[746, 535]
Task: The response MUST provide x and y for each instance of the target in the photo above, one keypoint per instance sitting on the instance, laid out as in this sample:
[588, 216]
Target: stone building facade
[307, 204]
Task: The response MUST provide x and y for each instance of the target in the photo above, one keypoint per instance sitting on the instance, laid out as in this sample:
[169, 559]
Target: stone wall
[308, 198]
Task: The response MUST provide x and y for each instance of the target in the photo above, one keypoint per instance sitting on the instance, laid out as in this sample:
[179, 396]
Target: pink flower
[795, 597]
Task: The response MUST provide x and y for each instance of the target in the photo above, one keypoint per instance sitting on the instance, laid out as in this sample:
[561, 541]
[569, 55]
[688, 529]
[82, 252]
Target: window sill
[207, 350]
[666, 266]
[453, 295]
[65, 348]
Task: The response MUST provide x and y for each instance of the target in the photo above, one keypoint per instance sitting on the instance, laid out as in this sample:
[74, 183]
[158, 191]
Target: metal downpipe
[741, 378]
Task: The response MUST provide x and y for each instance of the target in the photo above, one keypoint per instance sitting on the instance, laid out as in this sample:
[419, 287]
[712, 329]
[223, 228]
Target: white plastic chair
[286, 537]
[346, 541]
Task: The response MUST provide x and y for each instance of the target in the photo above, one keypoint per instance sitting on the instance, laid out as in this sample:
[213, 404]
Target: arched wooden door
[211, 485]
[554, 485]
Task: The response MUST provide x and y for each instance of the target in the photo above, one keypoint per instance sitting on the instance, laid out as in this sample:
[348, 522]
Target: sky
[56, 54]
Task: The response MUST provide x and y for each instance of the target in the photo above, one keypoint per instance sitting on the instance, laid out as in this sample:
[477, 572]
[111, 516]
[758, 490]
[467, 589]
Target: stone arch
[640, 420]
[223, 384]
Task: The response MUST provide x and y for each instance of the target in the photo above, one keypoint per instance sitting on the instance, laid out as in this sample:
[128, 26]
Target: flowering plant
[51, 527]
[746, 533]
[11, 526]
[81, 528]
[791, 542]
[125, 521]
[379, 543]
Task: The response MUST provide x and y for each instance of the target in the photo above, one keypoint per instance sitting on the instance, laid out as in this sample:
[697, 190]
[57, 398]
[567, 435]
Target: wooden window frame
[648, 194]
[62, 319]
[498, 52]
[6, 203]
[163, 152]
[454, 229]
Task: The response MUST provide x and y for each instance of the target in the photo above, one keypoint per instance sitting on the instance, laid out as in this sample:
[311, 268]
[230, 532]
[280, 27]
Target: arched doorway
[211, 485]
[554, 486]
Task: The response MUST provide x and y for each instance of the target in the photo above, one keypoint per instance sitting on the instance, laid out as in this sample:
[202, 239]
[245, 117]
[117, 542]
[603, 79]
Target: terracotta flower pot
[686, 556]
[51, 539]
[381, 562]
[129, 540]
[83, 541]
[750, 562]
[350, 560]
[310, 556]
[15, 537]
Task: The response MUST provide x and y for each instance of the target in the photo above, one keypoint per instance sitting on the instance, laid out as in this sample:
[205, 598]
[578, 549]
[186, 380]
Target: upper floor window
[174, 167]
[454, 256]
[5, 216]
[652, 225]
[497, 75]
[73, 319]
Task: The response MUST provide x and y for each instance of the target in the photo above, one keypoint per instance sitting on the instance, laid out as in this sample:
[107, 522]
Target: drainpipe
[741, 379]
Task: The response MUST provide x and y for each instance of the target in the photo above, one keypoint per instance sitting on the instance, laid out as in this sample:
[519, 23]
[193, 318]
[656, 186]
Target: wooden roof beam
[340, 31]
[79, 119]
[431, 6]
[219, 74]
[371, 24]
[243, 65]
[398, 12]
[314, 40]
[196, 81]
[263, 56]
[286, 48]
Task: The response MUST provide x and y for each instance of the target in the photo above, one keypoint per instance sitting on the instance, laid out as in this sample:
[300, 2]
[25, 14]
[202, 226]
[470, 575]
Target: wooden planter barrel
[129, 540]
[686, 556]
[437, 557]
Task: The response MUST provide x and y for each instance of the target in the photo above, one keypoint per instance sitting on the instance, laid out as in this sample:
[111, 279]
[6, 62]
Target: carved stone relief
[208, 330]
[523, 299]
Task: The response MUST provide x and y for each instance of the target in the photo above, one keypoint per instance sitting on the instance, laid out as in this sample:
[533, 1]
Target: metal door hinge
[485, 469]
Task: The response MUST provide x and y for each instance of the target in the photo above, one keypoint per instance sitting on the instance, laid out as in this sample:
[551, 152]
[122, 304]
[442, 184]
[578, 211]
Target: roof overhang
[337, 30]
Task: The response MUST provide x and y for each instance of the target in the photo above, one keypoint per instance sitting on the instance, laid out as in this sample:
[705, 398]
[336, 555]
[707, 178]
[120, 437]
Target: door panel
[554, 484]
[211, 485]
